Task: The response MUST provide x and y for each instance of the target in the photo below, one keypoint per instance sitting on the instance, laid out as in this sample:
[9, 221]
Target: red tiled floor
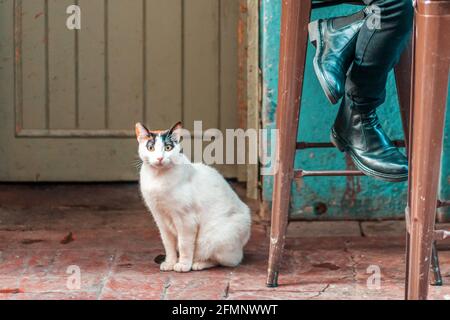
[114, 243]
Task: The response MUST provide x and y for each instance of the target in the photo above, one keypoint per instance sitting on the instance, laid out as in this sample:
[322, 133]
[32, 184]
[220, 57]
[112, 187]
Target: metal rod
[327, 173]
[443, 203]
[313, 145]
[435, 267]
[440, 235]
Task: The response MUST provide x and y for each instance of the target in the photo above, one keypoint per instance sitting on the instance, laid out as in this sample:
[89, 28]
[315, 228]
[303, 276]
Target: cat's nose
[160, 159]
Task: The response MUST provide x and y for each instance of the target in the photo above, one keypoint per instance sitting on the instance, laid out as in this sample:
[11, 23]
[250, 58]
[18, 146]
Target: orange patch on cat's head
[142, 133]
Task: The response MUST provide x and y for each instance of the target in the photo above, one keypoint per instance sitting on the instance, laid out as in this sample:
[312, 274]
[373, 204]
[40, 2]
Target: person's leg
[378, 49]
[357, 130]
[335, 41]
[343, 21]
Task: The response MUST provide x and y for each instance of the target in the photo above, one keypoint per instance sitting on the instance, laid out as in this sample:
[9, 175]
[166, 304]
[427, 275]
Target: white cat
[197, 213]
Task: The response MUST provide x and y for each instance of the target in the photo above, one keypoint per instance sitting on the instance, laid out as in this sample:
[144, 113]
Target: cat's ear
[176, 131]
[141, 132]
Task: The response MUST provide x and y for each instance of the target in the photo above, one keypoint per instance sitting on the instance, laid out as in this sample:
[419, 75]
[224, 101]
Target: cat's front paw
[182, 267]
[167, 266]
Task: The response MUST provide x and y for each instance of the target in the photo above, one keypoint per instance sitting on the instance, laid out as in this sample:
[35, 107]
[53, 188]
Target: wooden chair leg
[294, 38]
[432, 58]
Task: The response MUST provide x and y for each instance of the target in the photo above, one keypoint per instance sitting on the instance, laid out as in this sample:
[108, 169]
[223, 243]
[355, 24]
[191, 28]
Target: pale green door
[69, 99]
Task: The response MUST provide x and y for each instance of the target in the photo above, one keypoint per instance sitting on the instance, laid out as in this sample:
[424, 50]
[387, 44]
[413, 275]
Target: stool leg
[437, 281]
[430, 95]
[403, 73]
[294, 39]
[404, 79]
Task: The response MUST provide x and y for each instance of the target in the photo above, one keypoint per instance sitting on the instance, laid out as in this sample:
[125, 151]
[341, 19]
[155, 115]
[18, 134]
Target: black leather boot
[335, 51]
[361, 136]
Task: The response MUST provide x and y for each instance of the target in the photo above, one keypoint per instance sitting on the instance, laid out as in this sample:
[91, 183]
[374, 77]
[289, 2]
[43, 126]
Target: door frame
[249, 86]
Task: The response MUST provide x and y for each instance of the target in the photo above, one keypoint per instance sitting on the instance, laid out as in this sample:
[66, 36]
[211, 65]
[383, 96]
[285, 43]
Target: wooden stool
[294, 37]
[430, 80]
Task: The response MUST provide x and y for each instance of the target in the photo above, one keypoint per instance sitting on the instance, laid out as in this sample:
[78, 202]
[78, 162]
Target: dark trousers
[378, 50]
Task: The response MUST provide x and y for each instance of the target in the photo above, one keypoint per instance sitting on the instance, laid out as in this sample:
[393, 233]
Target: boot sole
[316, 41]
[343, 147]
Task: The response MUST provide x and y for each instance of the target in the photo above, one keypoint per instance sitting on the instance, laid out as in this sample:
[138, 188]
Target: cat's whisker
[137, 163]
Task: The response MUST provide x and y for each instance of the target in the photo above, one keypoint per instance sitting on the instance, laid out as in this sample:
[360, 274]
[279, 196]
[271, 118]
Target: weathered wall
[344, 198]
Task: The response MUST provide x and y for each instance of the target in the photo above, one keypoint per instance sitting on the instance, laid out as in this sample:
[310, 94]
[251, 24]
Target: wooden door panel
[62, 106]
[125, 63]
[76, 95]
[164, 63]
[31, 97]
[92, 67]
[201, 61]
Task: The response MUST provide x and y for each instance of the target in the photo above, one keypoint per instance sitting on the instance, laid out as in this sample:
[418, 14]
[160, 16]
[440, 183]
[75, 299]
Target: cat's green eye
[168, 147]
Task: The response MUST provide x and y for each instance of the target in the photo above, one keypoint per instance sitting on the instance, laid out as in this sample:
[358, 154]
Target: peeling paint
[39, 14]
[353, 186]
[11, 291]
[346, 198]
